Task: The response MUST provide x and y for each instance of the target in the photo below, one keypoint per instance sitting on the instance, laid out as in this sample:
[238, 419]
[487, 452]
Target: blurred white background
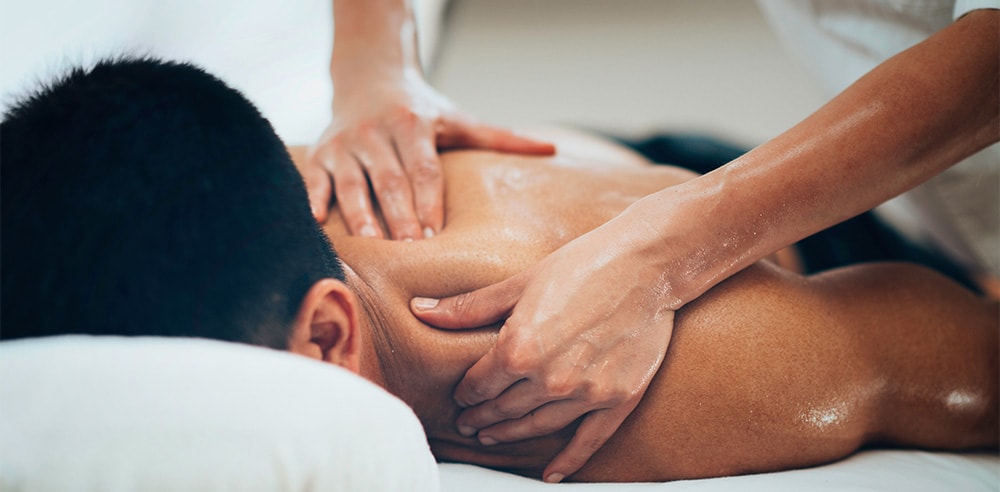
[628, 66]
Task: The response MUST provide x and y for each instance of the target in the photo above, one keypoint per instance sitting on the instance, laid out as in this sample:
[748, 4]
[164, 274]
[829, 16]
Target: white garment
[957, 212]
[275, 53]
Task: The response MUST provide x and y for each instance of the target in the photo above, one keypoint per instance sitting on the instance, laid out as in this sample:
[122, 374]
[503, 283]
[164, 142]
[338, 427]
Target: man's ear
[326, 326]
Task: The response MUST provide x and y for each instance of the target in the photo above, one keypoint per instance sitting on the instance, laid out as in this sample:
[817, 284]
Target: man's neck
[374, 364]
[396, 355]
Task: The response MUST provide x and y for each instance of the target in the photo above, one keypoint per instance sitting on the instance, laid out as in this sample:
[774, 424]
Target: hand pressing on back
[381, 150]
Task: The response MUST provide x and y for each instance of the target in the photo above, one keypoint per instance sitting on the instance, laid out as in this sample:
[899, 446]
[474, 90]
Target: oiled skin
[769, 370]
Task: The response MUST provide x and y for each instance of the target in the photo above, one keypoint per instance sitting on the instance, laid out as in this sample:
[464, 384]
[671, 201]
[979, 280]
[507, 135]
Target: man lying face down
[147, 198]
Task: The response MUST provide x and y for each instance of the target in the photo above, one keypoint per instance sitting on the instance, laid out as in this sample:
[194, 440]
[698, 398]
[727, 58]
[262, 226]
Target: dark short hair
[146, 197]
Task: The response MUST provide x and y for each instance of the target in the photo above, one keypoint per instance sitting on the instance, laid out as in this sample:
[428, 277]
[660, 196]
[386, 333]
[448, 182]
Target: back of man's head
[142, 197]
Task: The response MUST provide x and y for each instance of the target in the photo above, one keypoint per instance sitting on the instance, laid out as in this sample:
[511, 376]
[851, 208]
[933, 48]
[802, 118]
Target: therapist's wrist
[375, 31]
[686, 238]
[642, 238]
[374, 69]
[387, 47]
[350, 71]
[376, 88]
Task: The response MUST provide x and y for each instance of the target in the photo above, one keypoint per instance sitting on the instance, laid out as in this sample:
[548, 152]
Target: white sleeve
[963, 7]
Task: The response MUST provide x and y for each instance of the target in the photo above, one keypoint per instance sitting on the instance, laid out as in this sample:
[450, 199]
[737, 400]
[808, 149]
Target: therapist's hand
[386, 132]
[588, 328]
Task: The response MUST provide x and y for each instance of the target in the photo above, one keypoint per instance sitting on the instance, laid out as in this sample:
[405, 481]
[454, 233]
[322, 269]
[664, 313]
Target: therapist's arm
[581, 321]
[387, 126]
[907, 120]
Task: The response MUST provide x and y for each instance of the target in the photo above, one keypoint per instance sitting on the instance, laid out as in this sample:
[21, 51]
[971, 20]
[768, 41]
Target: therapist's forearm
[373, 40]
[905, 121]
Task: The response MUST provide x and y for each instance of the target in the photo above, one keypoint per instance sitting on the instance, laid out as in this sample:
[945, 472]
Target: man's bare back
[768, 371]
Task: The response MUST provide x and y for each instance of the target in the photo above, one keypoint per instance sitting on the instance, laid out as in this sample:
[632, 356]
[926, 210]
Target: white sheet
[109, 413]
[117, 414]
[870, 471]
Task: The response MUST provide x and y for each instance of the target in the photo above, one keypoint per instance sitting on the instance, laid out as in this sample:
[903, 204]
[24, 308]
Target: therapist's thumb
[463, 133]
[472, 309]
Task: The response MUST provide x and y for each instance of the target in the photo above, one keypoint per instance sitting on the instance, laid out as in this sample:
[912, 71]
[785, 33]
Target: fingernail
[424, 303]
[367, 230]
[428, 233]
[466, 431]
[554, 478]
[407, 239]
[487, 441]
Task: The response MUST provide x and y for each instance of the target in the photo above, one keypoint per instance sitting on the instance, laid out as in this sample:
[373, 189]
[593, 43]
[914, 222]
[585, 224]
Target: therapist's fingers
[317, 180]
[486, 379]
[513, 405]
[353, 198]
[508, 423]
[458, 132]
[595, 430]
[390, 184]
[415, 145]
[474, 309]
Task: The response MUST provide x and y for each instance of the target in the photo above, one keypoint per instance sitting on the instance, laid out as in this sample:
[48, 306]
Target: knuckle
[590, 444]
[425, 171]
[357, 221]
[538, 423]
[506, 412]
[558, 385]
[314, 175]
[329, 142]
[463, 306]
[515, 362]
[337, 141]
[597, 391]
[321, 163]
[389, 177]
[476, 391]
[520, 355]
[346, 181]
[403, 116]
[622, 394]
[591, 391]
[366, 130]
[601, 392]
[536, 426]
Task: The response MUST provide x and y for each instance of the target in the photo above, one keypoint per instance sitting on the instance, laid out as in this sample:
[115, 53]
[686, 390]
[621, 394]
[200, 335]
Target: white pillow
[124, 414]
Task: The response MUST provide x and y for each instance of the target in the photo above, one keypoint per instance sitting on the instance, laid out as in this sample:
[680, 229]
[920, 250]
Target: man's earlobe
[326, 326]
